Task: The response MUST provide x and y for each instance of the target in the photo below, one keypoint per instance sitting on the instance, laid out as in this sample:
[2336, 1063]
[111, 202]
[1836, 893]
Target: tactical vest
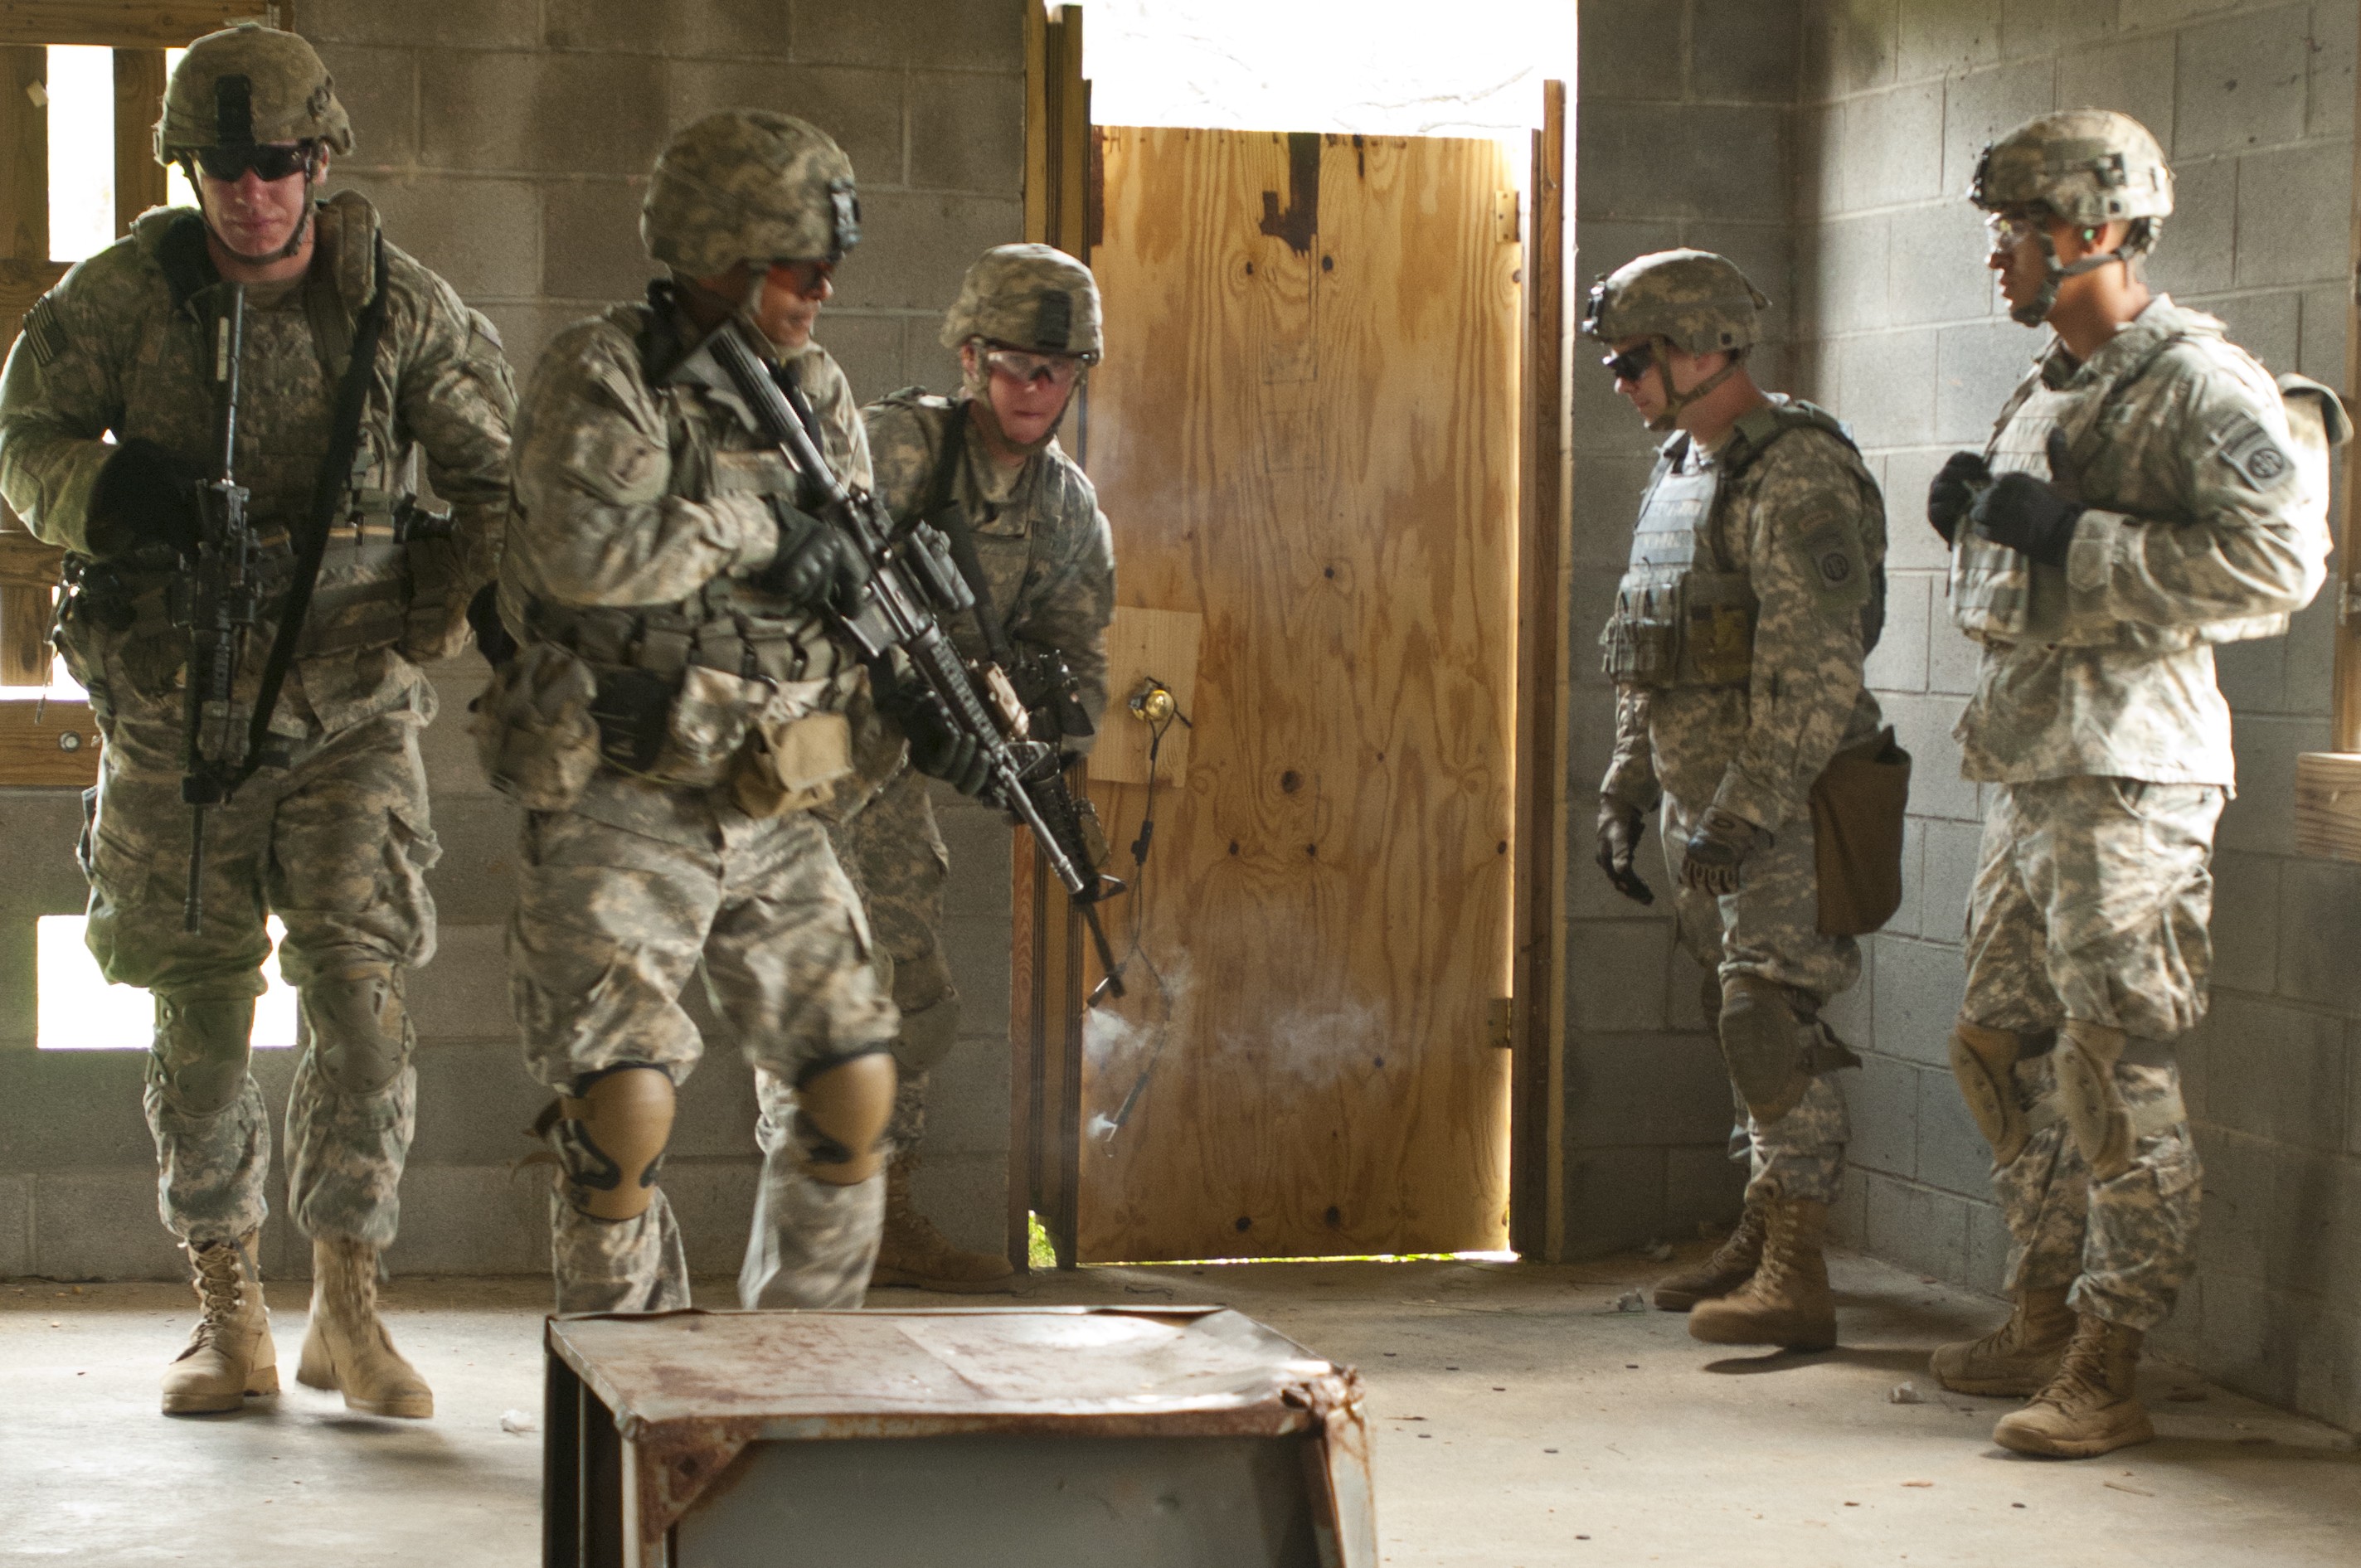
[1684, 614]
[730, 625]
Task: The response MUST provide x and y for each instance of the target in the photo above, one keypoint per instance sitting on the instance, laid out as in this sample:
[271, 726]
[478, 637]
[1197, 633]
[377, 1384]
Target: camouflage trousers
[895, 854]
[337, 845]
[2092, 901]
[610, 927]
[1770, 927]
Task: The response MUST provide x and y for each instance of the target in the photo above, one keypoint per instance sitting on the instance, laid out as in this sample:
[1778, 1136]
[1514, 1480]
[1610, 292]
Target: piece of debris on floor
[1906, 1394]
[1630, 1301]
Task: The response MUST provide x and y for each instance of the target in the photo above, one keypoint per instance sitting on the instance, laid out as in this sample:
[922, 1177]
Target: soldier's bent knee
[360, 1031]
[1982, 1062]
[609, 1139]
[1763, 1045]
[200, 1050]
[928, 1035]
[2095, 1114]
[841, 1108]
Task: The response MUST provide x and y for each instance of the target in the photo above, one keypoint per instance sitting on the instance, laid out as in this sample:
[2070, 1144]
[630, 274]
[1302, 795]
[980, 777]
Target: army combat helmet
[2089, 166]
[249, 87]
[753, 186]
[1694, 300]
[1034, 299]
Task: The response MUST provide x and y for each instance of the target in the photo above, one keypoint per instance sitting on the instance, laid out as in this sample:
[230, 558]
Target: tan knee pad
[611, 1140]
[360, 1031]
[927, 1035]
[202, 1046]
[1763, 1045]
[2097, 1118]
[1982, 1061]
[840, 1115]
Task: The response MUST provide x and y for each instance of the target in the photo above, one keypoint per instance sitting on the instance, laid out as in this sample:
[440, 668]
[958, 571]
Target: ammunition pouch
[1694, 627]
[1857, 805]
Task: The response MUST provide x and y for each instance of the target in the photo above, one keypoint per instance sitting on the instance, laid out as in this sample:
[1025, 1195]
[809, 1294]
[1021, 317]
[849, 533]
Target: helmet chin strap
[1663, 424]
[294, 241]
[2036, 311]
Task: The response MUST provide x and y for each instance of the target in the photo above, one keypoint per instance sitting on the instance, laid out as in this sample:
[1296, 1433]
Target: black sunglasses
[269, 160]
[1631, 364]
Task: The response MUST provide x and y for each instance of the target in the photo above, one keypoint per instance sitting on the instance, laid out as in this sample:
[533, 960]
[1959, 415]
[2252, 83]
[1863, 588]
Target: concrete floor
[1521, 1420]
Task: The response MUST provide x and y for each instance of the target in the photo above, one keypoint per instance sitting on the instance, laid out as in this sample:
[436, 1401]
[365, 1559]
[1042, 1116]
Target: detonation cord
[1160, 717]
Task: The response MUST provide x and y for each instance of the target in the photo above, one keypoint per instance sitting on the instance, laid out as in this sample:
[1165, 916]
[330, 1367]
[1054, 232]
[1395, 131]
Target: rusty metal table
[1067, 1435]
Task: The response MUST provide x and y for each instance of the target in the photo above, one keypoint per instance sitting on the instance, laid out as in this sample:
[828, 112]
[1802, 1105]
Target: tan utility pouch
[711, 715]
[800, 750]
[534, 730]
[1856, 808]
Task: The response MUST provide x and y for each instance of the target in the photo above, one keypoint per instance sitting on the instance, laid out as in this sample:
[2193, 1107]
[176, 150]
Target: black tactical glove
[492, 639]
[1620, 828]
[817, 566]
[1717, 845]
[2029, 515]
[938, 747]
[145, 495]
[1953, 493]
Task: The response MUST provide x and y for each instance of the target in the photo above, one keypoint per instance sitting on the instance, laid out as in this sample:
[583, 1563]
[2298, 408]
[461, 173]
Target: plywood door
[1304, 431]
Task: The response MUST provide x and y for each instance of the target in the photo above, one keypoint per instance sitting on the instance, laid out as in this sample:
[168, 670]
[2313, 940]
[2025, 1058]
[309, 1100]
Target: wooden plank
[48, 744]
[24, 153]
[140, 181]
[123, 24]
[28, 580]
[1144, 645]
[1024, 1055]
[1038, 201]
[2328, 805]
[1537, 1018]
[1328, 897]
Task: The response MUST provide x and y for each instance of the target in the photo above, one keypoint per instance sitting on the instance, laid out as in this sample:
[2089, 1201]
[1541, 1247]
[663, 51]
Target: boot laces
[220, 1283]
[2082, 1377]
[1741, 1246]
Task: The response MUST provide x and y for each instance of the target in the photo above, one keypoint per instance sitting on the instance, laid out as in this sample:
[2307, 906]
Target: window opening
[81, 150]
[76, 1010]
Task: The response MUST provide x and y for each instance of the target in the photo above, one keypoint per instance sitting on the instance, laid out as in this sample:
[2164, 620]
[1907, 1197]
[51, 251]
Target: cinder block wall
[508, 143]
[1682, 136]
[1899, 329]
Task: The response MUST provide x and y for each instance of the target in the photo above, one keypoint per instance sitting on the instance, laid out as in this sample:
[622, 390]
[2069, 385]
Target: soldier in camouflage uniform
[2147, 493]
[331, 832]
[987, 468]
[676, 711]
[1754, 593]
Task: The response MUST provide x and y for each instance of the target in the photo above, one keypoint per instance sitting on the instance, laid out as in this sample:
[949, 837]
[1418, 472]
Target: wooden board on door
[1305, 431]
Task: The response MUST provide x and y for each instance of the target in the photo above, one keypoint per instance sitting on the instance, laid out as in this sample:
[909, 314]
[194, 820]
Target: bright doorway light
[178, 192]
[81, 150]
[78, 1011]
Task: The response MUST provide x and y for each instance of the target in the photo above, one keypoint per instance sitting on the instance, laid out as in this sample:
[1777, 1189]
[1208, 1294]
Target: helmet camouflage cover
[1027, 296]
[1700, 301]
[2087, 166]
[249, 83]
[749, 185]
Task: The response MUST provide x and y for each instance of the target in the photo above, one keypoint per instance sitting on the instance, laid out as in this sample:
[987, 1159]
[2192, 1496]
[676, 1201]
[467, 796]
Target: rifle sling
[335, 479]
[947, 514]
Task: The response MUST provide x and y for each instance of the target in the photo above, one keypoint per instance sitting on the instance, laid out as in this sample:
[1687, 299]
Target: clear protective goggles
[2003, 232]
[1057, 371]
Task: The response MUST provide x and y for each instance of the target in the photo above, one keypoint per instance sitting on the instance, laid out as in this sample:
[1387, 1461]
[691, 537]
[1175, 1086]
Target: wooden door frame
[1045, 950]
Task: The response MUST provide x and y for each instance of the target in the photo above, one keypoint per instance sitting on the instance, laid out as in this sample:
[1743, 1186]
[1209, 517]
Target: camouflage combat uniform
[331, 834]
[2097, 720]
[1047, 556]
[1782, 510]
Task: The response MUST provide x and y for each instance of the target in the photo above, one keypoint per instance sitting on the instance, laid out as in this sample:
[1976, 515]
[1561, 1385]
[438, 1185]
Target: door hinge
[1499, 1018]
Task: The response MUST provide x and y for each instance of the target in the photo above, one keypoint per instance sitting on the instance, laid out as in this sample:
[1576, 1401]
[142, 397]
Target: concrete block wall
[1683, 136]
[1899, 329]
[508, 142]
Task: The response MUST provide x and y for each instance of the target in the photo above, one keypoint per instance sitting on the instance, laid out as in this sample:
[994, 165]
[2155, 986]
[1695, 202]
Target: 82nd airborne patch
[2253, 455]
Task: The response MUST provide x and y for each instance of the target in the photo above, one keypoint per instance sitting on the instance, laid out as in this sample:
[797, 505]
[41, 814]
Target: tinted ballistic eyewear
[1058, 370]
[269, 160]
[803, 275]
[1631, 364]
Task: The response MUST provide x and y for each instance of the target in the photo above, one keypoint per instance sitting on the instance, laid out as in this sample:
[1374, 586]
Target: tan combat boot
[1732, 1265]
[347, 1347]
[2092, 1406]
[1786, 1302]
[913, 1252]
[230, 1354]
[2019, 1357]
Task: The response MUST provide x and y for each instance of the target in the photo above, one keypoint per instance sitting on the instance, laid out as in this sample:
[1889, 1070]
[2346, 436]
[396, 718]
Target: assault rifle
[913, 586]
[224, 597]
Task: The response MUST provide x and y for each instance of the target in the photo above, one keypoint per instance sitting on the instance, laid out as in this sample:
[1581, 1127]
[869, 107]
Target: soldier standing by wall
[331, 832]
[1026, 527]
[1755, 591]
[2143, 498]
[675, 710]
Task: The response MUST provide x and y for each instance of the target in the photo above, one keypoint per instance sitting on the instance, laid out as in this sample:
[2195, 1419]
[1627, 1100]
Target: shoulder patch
[1829, 552]
[2253, 455]
[484, 329]
[45, 332]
